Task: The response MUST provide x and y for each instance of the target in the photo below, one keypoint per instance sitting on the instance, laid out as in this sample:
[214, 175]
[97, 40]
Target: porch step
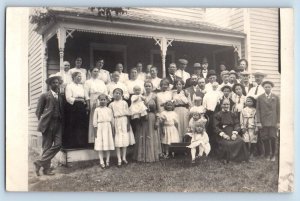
[75, 155]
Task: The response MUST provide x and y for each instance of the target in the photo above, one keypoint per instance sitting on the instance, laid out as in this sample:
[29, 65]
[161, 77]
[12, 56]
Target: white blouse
[92, 86]
[73, 91]
[156, 83]
[132, 83]
[123, 77]
[112, 86]
[82, 71]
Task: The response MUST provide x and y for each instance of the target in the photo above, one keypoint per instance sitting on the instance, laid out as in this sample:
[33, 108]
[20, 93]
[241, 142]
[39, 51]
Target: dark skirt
[233, 150]
[76, 126]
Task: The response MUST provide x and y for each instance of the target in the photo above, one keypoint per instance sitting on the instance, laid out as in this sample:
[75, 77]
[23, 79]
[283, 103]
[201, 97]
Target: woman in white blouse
[134, 81]
[92, 89]
[123, 76]
[76, 125]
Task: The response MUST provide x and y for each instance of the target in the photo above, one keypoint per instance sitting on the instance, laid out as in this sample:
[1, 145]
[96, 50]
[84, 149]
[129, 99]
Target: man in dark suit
[50, 115]
[245, 76]
[171, 74]
[197, 72]
[268, 118]
[204, 72]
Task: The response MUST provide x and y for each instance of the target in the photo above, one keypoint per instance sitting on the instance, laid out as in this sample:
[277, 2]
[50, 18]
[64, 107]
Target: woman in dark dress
[231, 146]
[76, 124]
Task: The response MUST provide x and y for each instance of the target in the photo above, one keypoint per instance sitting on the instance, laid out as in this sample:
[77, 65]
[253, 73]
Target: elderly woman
[123, 76]
[92, 89]
[78, 68]
[76, 127]
[231, 146]
[134, 81]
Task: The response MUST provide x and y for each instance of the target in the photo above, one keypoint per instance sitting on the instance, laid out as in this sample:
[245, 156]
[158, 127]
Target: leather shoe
[48, 172]
[37, 168]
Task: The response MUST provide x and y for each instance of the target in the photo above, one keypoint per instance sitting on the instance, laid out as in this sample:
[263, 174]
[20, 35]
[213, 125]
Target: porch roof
[135, 15]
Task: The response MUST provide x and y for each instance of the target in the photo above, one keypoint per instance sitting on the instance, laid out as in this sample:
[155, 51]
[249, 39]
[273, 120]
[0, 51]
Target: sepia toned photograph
[137, 99]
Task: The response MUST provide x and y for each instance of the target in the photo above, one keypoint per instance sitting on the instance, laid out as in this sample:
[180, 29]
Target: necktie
[256, 90]
[239, 101]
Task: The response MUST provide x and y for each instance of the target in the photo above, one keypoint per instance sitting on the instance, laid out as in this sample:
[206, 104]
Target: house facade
[155, 36]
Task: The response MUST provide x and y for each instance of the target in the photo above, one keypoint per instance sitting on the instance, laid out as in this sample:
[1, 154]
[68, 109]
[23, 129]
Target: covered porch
[130, 41]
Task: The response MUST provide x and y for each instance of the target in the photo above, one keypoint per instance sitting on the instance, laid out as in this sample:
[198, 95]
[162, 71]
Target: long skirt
[76, 126]
[93, 105]
[233, 150]
[123, 138]
[183, 121]
[148, 144]
[104, 140]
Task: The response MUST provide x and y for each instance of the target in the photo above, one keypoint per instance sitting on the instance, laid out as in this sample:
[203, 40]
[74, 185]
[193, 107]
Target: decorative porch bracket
[164, 43]
[62, 35]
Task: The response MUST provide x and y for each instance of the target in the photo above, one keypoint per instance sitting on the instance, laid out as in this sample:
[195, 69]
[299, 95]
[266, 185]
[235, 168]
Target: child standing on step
[103, 124]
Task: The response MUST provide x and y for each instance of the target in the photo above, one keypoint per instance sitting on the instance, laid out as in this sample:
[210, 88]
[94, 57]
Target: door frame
[108, 47]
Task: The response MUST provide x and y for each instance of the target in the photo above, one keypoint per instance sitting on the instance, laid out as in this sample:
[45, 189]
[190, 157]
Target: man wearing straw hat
[50, 115]
[257, 90]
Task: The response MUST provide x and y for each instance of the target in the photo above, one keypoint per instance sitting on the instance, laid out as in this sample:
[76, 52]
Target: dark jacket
[268, 110]
[45, 110]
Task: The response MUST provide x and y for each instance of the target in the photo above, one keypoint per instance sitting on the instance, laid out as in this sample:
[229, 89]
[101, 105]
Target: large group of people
[224, 114]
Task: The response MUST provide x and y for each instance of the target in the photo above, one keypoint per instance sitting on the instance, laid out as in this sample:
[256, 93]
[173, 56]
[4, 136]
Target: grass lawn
[172, 175]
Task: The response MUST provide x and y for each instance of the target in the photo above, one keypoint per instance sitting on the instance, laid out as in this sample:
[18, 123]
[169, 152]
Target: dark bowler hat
[204, 60]
[245, 73]
[183, 61]
[197, 65]
[52, 77]
[267, 82]
[211, 73]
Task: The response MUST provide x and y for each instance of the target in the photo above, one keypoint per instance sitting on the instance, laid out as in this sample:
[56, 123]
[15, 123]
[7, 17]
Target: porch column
[61, 36]
[164, 43]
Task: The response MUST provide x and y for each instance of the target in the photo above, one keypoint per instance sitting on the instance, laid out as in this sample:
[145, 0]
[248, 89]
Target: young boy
[268, 116]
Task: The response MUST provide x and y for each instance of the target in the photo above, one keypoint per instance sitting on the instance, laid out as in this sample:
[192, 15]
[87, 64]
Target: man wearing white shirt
[204, 72]
[257, 90]
[181, 71]
[154, 79]
[140, 74]
[212, 77]
[117, 84]
[225, 79]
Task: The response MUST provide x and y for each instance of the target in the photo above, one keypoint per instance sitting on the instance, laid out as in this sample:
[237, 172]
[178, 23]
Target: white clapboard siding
[35, 83]
[237, 19]
[218, 16]
[264, 43]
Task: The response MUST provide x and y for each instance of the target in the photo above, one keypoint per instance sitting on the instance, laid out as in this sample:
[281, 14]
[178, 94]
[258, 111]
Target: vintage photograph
[135, 99]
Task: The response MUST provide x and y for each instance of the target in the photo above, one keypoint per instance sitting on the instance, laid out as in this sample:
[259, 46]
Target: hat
[259, 73]
[226, 87]
[52, 77]
[197, 65]
[183, 61]
[240, 68]
[267, 82]
[204, 60]
[211, 72]
[244, 73]
[225, 72]
[232, 72]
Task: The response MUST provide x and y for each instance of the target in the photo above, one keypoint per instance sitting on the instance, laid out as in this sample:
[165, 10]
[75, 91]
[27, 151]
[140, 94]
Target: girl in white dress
[169, 121]
[103, 124]
[199, 136]
[123, 131]
[137, 108]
